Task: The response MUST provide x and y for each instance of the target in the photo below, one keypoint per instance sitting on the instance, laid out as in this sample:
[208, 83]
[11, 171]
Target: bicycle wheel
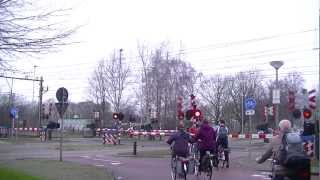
[173, 169]
[208, 173]
[207, 168]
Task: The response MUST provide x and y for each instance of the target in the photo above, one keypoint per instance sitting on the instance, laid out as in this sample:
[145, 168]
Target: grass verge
[7, 173]
[54, 170]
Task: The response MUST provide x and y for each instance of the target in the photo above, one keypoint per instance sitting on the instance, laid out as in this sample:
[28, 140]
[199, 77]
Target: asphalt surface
[129, 167]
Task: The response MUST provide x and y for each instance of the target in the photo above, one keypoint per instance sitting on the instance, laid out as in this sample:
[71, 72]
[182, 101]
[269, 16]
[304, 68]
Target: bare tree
[109, 82]
[165, 79]
[25, 30]
[144, 54]
[214, 92]
[241, 86]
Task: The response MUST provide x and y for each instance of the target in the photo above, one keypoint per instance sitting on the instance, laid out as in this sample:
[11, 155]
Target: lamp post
[276, 91]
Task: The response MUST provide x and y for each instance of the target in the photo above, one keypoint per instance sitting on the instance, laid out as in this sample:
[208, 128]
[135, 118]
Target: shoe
[227, 166]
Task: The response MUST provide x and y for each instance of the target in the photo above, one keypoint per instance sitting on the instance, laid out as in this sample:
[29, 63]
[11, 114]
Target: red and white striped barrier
[4, 132]
[28, 131]
[253, 136]
[233, 136]
[110, 138]
[145, 133]
[164, 131]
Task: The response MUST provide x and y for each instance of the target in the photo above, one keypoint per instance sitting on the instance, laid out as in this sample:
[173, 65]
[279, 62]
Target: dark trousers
[223, 142]
[202, 154]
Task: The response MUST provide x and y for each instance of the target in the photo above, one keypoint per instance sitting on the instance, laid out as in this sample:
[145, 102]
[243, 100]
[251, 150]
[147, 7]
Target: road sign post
[13, 116]
[250, 105]
[62, 105]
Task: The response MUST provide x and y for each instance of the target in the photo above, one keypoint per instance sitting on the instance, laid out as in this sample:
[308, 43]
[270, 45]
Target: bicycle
[221, 156]
[179, 167]
[279, 172]
[207, 163]
[195, 154]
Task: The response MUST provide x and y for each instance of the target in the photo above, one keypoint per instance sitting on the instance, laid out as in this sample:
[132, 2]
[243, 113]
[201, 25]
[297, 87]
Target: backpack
[223, 132]
[292, 154]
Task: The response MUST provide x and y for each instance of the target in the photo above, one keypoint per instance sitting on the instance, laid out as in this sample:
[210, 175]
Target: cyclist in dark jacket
[206, 137]
[180, 140]
[222, 140]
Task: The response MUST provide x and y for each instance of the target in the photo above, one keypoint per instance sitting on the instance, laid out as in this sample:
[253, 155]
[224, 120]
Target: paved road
[242, 166]
[130, 168]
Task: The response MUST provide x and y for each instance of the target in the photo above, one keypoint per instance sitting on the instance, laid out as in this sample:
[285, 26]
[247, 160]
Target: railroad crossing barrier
[4, 132]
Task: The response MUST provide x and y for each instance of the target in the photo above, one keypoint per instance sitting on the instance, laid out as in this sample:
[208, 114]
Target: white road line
[85, 157]
[104, 160]
[99, 165]
[115, 163]
[99, 156]
[261, 176]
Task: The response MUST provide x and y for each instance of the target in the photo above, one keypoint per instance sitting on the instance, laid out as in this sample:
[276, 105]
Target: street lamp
[276, 91]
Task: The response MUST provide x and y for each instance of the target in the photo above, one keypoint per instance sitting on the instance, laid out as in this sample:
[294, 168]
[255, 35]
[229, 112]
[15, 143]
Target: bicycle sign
[250, 104]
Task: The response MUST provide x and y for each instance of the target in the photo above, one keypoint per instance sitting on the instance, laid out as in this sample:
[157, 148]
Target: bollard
[135, 148]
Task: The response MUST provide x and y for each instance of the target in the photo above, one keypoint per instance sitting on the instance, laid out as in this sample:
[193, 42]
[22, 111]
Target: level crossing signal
[307, 113]
[117, 116]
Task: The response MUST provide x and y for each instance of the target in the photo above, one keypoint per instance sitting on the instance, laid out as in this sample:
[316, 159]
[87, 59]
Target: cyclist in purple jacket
[206, 138]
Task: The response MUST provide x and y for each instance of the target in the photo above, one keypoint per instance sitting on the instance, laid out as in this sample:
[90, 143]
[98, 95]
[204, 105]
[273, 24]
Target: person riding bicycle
[206, 138]
[180, 140]
[275, 150]
[222, 140]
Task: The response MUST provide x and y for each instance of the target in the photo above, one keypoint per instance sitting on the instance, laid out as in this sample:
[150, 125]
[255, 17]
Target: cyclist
[206, 137]
[222, 140]
[180, 140]
[275, 150]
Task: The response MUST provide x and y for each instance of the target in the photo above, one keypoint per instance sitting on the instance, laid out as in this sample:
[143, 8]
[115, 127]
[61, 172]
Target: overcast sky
[216, 37]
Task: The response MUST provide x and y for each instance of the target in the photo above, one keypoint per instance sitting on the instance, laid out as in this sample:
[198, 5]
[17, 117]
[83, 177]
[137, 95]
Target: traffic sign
[61, 107]
[276, 96]
[312, 99]
[14, 113]
[62, 94]
[250, 104]
[250, 112]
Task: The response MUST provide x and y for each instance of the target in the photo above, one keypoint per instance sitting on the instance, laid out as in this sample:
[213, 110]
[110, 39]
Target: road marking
[99, 156]
[87, 157]
[119, 177]
[261, 176]
[105, 160]
[265, 173]
[99, 165]
[115, 163]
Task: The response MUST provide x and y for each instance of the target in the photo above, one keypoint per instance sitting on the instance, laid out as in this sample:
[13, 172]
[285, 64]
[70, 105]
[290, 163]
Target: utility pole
[242, 115]
[40, 102]
[11, 106]
[28, 79]
[119, 80]
[276, 91]
[33, 105]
